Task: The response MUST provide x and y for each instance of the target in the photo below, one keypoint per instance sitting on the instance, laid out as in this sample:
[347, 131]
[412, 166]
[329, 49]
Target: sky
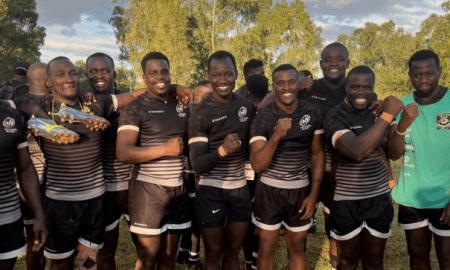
[79, 28]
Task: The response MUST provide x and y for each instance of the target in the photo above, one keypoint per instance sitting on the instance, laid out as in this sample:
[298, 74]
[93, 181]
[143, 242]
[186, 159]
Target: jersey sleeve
[258, 128]
[318, 129]
[130, 119]
[108, 103]
[334, 126]
[22, 129]
[197, 128]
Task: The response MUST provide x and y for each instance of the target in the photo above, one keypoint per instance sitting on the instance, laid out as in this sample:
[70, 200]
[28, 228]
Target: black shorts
[348, 218]
[275, 206]
[410, 218]
[214, 206]
[326, 192]
[70, 223]
[155, 209]
[116, 207]
[12, 240]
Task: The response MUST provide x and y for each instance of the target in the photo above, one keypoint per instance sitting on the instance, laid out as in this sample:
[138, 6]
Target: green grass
[395, 258]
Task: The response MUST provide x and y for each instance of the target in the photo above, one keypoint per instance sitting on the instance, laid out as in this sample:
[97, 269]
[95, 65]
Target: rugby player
[282, 137]
[362, 208]
[252, 67]
[15, 154]
[150, 135]
[422, 137]
[218, 131]
[36, 78]
[100, 74]
[190, 240]
[326, 93]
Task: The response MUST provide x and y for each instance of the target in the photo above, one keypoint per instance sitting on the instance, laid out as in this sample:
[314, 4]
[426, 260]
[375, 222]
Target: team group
[233, 167]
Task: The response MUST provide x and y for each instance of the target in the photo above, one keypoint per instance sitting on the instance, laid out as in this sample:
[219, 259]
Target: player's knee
[419, 252]
[347, 263]
[297, 247]
[214, 251]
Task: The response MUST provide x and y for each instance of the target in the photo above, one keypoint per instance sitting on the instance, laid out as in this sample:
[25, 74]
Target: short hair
[58, 58]
[221, 55]
[100, 54]
[361, 70]
[252, 64]
[153, 55]
[258, 85]
[284, 67]
[423, 55]
[203, 83]
[305, 73]
[336, 45]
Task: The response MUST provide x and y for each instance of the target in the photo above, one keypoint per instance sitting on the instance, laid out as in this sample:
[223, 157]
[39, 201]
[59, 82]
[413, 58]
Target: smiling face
[424, 76]
[222, 75]
[63, 80]
[100, 75]
[359, 91]
[285, 86]
[334, 64]
[157, 78]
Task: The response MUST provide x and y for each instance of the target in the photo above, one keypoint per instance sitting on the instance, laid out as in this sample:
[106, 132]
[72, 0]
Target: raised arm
[359, 147]
[261, 150]
[396, 144]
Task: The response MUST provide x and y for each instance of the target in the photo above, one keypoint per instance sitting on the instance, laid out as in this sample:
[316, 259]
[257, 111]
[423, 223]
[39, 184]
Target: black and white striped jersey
[291, 159]
[117, 174]
[156, 122]
[210, 123]
[74, 171]
[356, 180]
[12, 137]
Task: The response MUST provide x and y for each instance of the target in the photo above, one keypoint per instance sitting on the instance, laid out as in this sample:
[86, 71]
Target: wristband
[387, 117]
[400, 133]
[392, 184]
[222, 152]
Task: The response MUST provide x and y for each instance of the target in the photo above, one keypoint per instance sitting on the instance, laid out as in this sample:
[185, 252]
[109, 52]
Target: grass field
[396, 256]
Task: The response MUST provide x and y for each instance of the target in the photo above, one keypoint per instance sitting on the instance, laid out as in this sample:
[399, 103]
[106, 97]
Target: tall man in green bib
[423, 138]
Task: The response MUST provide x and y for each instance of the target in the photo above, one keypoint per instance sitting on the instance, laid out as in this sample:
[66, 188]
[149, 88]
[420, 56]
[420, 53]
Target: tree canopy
[20, 37]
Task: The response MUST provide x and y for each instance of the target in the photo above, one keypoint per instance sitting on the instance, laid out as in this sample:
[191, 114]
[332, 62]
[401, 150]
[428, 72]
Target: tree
[20, 37]
[386, 49]
[188, 31]
[126, 79]
[80, 66]
[434, 35]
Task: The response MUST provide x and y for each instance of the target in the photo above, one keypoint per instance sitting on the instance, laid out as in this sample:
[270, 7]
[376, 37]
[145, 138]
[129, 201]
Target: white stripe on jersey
[22, 145]
[319, 131]
[128, 127]
[198, 139]
[338, 134]
[115, 103]
[257, 138]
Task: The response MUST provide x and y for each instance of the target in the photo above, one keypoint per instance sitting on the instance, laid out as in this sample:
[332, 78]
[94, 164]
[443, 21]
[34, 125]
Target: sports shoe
[46, 128]
[86, 117]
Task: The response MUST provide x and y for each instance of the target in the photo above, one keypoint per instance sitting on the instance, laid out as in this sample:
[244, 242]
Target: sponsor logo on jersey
[9, 124]
[355, 127]
[180, 111]
[304, 122]
[220, 118]
[319, 98]
[242, 114]
[160, 111]
[443, 121]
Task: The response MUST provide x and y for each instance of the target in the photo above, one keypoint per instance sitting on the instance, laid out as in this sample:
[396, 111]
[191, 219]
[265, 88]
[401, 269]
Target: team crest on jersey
[242, 114]
[9, 124]
[180, 111]
[304, 122]
[443, 121]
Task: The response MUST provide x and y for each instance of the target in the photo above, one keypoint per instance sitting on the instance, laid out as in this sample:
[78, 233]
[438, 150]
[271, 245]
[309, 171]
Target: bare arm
[317, 170]
[128, 152]
[396, 144]
[269, 99]
[29, 184]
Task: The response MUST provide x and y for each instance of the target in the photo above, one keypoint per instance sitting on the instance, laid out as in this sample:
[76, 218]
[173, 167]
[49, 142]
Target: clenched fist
[231, 143]
[392, 105]
[173, 147]
[282, 128]
[410, 112]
